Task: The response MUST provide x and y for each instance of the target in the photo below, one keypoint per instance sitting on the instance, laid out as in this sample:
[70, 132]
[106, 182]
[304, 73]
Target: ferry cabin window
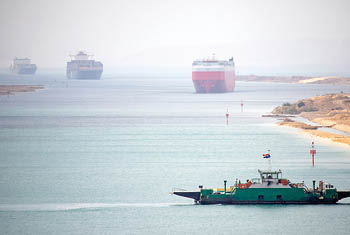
[270, 176]
[261, 197]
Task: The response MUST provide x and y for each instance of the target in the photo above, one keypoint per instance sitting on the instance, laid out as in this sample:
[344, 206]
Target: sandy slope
[314, 80]
[295, 79]
[10, 89]
[332, 110]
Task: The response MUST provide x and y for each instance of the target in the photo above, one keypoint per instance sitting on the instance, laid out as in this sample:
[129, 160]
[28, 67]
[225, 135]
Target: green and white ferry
[270, 188]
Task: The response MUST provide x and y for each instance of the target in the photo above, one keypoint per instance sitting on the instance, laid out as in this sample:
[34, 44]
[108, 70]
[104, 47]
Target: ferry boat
[270, 188]
[22, 66]
[82, 66]
[213, 76]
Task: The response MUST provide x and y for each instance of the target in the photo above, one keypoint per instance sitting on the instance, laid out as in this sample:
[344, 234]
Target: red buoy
[313, 153]
[227, 115]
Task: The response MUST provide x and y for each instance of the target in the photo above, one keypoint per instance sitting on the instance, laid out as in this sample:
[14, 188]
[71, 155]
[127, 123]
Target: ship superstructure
[213, 76]
[82, 66]
[270, 188]
[22, 66]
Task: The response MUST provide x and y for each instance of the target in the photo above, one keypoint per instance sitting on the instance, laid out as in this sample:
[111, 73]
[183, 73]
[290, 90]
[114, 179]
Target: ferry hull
[270, 196]
[233, 202]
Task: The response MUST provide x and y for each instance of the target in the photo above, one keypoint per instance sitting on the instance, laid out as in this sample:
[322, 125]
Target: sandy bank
[313, 131]
[314, 80]
[10, 89]
[295, 79]
[278, 79]
[331, 110]
[300, 125]
[334, 137]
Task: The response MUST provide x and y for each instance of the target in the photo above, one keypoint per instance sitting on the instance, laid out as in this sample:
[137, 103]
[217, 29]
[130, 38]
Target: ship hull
[84, 75]
[213, 81]
[24, 71]
[210, 86]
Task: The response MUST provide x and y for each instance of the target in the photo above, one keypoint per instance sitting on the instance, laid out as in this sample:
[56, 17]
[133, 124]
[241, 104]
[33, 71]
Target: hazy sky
[290, 34]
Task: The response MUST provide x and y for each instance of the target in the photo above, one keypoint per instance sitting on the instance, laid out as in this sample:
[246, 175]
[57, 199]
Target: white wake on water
[78, 206]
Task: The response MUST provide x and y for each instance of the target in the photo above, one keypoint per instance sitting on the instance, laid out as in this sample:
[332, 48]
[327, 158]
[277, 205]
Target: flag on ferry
[266, 155]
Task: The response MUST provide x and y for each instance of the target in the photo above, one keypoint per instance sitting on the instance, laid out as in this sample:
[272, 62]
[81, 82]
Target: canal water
[100, 157]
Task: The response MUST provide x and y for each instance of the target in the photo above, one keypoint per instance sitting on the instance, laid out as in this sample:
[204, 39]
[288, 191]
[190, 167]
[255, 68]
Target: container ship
[213, 76]
[270, 188]
[82, 66]
[22, 66]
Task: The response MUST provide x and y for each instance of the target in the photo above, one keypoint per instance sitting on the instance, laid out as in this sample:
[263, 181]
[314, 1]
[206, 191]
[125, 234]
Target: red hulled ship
[213, 76]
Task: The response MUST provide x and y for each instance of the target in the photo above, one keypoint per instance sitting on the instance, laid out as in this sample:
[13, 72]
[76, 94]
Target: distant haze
[296, 36]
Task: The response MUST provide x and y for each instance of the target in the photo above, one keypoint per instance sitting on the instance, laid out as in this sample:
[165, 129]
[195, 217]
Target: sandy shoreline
[331, 111]
[11, 89]
[295, 79]
[313, 130]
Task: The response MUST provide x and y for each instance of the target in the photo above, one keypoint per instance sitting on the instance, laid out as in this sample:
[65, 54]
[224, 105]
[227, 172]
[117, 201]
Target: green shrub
[310, 109]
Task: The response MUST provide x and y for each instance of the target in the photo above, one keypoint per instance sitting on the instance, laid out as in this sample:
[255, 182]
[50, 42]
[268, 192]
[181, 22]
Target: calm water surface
[100, 157]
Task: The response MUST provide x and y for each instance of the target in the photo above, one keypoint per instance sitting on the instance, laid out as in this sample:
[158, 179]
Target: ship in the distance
[22, 66]
[82, 66]
[213, 76]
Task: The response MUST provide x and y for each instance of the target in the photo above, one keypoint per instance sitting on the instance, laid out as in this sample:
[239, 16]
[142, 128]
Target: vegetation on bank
[331, 110]
[319, 104]
[296, 108]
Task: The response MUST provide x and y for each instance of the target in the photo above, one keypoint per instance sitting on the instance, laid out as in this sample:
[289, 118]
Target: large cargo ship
[82, 66]
[213, 76]
[22, 66]
[270, 188]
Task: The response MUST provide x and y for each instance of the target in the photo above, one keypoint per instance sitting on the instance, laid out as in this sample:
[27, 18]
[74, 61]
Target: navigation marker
[313, 153]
